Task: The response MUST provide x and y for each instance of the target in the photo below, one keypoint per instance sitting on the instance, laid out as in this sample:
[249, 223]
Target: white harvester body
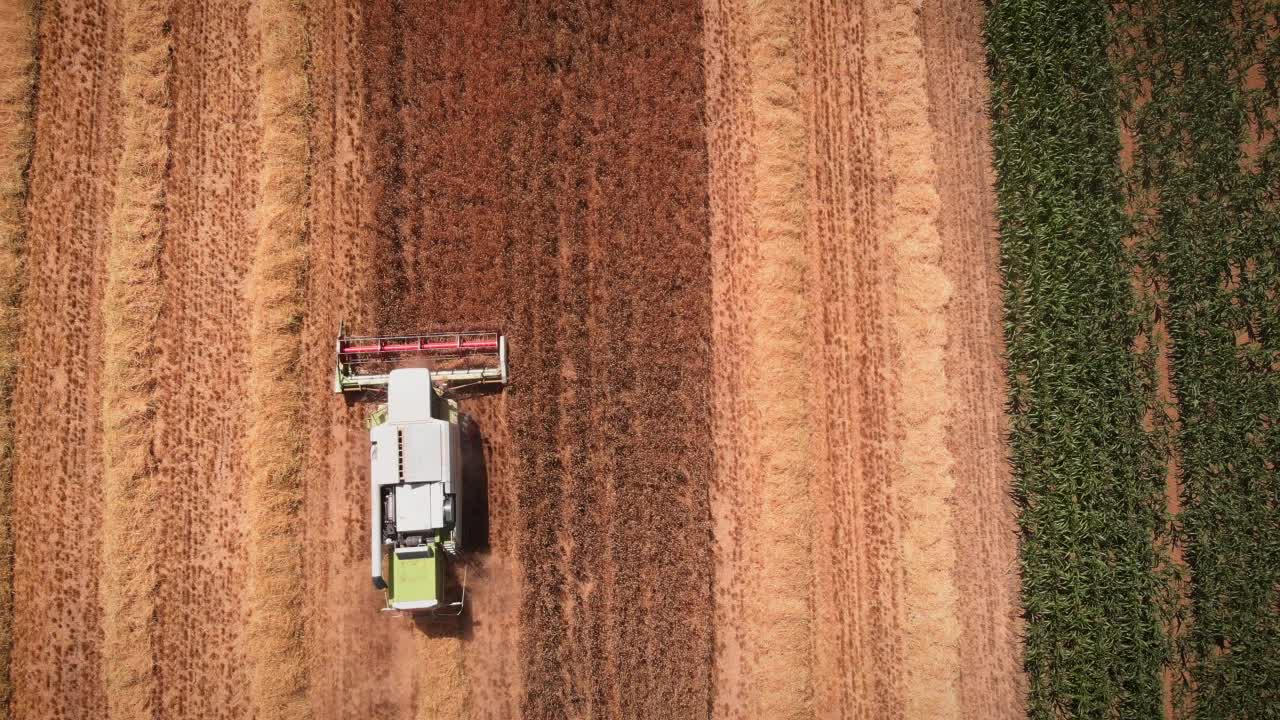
[415, 462]
[415, 455]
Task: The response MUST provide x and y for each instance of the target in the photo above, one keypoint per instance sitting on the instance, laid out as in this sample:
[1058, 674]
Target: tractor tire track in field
[859, 595]
[57, 499]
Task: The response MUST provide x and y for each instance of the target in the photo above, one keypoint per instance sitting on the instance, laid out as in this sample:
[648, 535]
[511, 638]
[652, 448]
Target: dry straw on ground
[131, 485]
[762, 420]
[279, 679]
[17, 73]
[925, 479]
[444, 691]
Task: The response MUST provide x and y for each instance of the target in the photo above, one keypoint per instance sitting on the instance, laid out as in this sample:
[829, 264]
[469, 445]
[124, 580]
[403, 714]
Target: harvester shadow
[360, 398]
[474, 522]
[460, 627]
[474, 510]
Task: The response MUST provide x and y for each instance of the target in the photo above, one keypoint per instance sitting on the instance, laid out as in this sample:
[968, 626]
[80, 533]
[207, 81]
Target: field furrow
[202, 414]
[1205, 150]
[988, 610]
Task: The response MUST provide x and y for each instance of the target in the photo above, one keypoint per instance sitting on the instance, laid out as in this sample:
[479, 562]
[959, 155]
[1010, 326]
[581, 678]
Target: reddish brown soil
[202, 409]
[991, 684]
[198, 420]
[865, 562]
[750, 463]
[57, 498]
[362, 662]
[542, 170]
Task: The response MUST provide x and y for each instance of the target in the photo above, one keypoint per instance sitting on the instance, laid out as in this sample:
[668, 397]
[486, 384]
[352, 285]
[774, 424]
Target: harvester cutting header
[364, 363]
[415, 459]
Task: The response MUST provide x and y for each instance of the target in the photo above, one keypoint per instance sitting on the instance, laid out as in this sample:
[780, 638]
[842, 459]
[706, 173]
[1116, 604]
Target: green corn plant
[1089, 480]
[1212, 69]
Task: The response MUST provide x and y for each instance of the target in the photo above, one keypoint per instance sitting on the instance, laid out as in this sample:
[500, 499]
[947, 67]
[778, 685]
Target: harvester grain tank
[416, 491]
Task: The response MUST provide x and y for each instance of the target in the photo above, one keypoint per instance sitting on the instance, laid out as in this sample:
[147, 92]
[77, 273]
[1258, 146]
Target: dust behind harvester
[415, 458]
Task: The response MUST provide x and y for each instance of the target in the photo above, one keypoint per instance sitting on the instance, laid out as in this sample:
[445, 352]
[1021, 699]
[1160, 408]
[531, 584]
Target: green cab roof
[416, 574]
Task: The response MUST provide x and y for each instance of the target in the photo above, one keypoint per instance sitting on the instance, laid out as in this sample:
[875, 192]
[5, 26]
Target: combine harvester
[415, 457]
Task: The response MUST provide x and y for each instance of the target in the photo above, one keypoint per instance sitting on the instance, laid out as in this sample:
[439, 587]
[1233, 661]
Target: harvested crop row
[763, 422]
[57, 668]
[17, 79]
[1089, 480]
[131, 307]
[1206, 148]
[924, 471]
[992, 684]
[277, 434]
[864, 547]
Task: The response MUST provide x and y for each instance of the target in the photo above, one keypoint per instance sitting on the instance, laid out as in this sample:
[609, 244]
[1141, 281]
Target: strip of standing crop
[1208, 157]
[1089, 480]
[277, 434]
[17, 82]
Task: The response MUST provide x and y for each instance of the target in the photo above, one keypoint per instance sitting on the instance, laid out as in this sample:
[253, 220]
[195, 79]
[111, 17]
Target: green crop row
[1209, 169]
[1089, 479]
[1197, 222]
